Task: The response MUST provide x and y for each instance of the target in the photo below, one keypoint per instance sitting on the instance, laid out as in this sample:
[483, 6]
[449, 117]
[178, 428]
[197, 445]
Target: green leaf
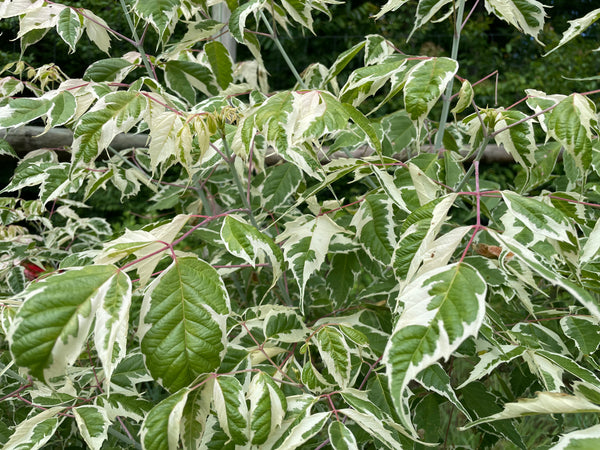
[539, 217]
[342, 61]
[465, 97]
[340, 280]
[518, 140]
[6, 149]
[525, 15]
[391, 5]
[425, 12]
[340, 437]
[195, 415]
[112, 323]
[93, 424]
[281, 182]
[267, 407]
[588, 438]
[114, 113]
[51, 328]
[69, 27]
[220, 62]
[543, 403]
[284, 325]
[425, 83]
[182, 323]
[232, 411]
[384, 433]
[435, 378]
[20, 111]
[237, 21]
[533, 261]
[576, 27]
[374, 222]
[573, 122]
[161, 14]
[110, 69]
[34, 432]
[160, 429]
[335, 353]
[185, 77]
[246, 242]
[583, 331]
[302, 430]
[306, 244]
[441, 308]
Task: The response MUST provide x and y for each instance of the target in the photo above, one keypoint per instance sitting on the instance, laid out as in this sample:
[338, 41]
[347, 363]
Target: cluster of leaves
[296, 292]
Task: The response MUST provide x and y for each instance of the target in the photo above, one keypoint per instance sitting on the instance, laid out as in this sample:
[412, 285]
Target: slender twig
[439, 137]
[137, 43]
[285, 56]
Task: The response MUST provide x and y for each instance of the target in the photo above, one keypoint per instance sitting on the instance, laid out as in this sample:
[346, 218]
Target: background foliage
[268, 293]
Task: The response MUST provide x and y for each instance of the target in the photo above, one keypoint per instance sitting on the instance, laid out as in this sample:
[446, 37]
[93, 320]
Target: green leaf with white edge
[20, 111]
[576, 27]
[302, 431]
[340, 436]
[540, 218]
[161, 14]
[237, 21]
[342, 61]
[569, 365]
[6, 149]
[112, 324]
[435, 378]
[144, 245]
[281, 182]
[34, 432]
[182, 327]
[115, 113]
[584, 331]
[231, 408]
[441, 308]
[365, 125]
[588, 438]
[465, 97]
[335, 353]
[573, 123]
[367, 81]
[69, 27]
[220, 62]
[425, 12]
[374, 223]
[543, 403]
[50, 328]
[533, 261]
[377, 49]
[195, 415]
[592, 245]
[518, 140]
[284, 325]
[110, 69]
[306, 244]
[491, 359]
[391, 5]
[267, 407]
[161, 427]
[525, 15]
[125, 405]
[246, 242]
[374, 427]
[187, 77]
[93, 424]
[425, 83]
[96, 29]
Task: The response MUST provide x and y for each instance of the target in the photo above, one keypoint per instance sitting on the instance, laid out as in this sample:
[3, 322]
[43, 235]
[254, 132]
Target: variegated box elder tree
[291, 294]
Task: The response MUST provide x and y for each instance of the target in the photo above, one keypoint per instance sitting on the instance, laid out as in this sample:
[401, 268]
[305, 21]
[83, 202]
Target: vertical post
[221, 13]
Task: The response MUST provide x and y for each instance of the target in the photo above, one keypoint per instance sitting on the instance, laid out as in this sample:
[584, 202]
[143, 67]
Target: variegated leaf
[441, 308]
